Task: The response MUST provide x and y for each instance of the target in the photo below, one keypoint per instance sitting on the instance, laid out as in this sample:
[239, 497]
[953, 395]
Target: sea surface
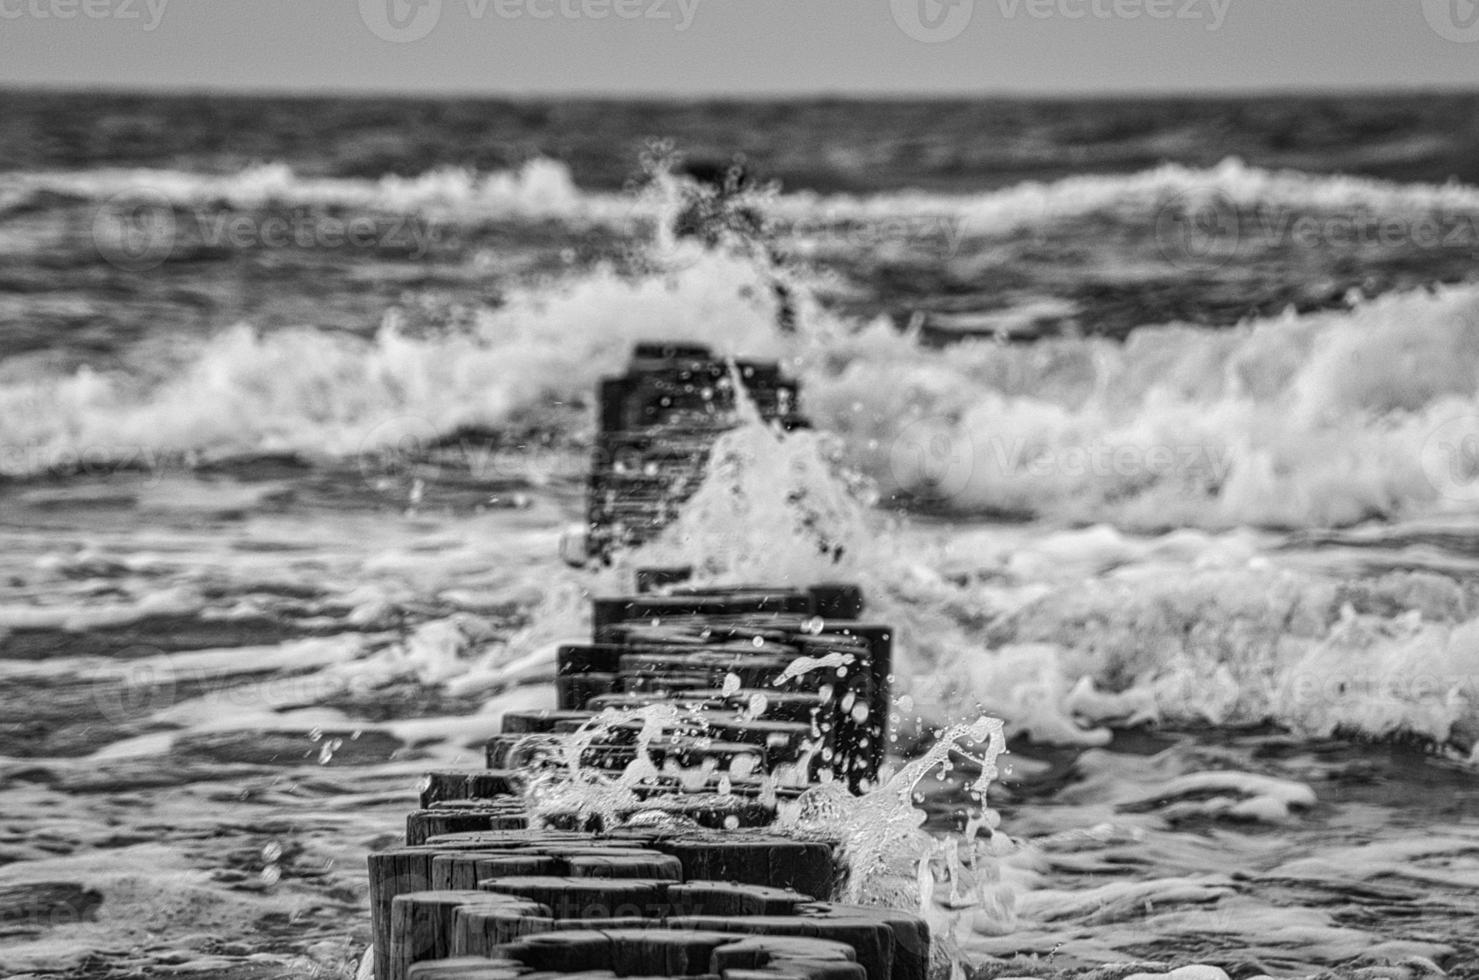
[1153, 425]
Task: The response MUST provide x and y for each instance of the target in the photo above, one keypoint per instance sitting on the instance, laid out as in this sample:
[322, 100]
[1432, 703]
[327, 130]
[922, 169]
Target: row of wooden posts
[762, 692]
[478, 892]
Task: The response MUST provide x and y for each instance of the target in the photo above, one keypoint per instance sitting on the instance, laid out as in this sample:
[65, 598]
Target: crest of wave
[324, 392]
[544, 188]
[783, 509]
[541, 188]
[1324, 419]
[1095, 626]
[1033, 203]
[773, 507]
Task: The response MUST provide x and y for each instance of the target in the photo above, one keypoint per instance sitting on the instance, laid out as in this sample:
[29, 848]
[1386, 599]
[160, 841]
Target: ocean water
[1164, 456]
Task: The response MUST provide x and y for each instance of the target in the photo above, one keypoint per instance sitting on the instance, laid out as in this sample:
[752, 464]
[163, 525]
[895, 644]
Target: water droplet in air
[326, 752]
[731, 684]
[271, 851]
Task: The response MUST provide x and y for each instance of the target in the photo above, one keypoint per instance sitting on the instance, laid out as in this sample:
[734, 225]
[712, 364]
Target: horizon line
[642, 95]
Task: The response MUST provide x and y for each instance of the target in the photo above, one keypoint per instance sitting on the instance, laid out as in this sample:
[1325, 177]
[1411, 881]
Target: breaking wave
[544, 188]
[540, 189]
[1067, 634]
[1296, 421]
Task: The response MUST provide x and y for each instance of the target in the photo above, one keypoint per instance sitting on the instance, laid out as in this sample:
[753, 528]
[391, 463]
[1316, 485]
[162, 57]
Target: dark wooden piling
[595, 889]
[479, 894]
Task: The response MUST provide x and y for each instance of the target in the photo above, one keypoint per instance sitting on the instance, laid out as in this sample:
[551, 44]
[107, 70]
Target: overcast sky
[741, 46]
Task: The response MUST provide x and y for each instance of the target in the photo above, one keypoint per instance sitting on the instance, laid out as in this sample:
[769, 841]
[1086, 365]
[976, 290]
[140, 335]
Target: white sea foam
[544, 188]
[539, 189]
[1064, 634]
[1299, 421]
[1316, 420]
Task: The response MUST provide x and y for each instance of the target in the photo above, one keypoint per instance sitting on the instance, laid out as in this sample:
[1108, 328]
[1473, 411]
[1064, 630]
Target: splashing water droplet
[805, 665]
[271, 851]
[742, 765]
[758, 704]
[272, 874]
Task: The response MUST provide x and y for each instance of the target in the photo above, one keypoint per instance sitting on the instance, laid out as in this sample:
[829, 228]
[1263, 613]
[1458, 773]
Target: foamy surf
[1072, 635]
[544, 188]
[1298, 421]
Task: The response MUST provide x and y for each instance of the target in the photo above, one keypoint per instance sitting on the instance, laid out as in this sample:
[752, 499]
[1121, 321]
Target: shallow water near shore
[1162, 457]
[213, 715]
